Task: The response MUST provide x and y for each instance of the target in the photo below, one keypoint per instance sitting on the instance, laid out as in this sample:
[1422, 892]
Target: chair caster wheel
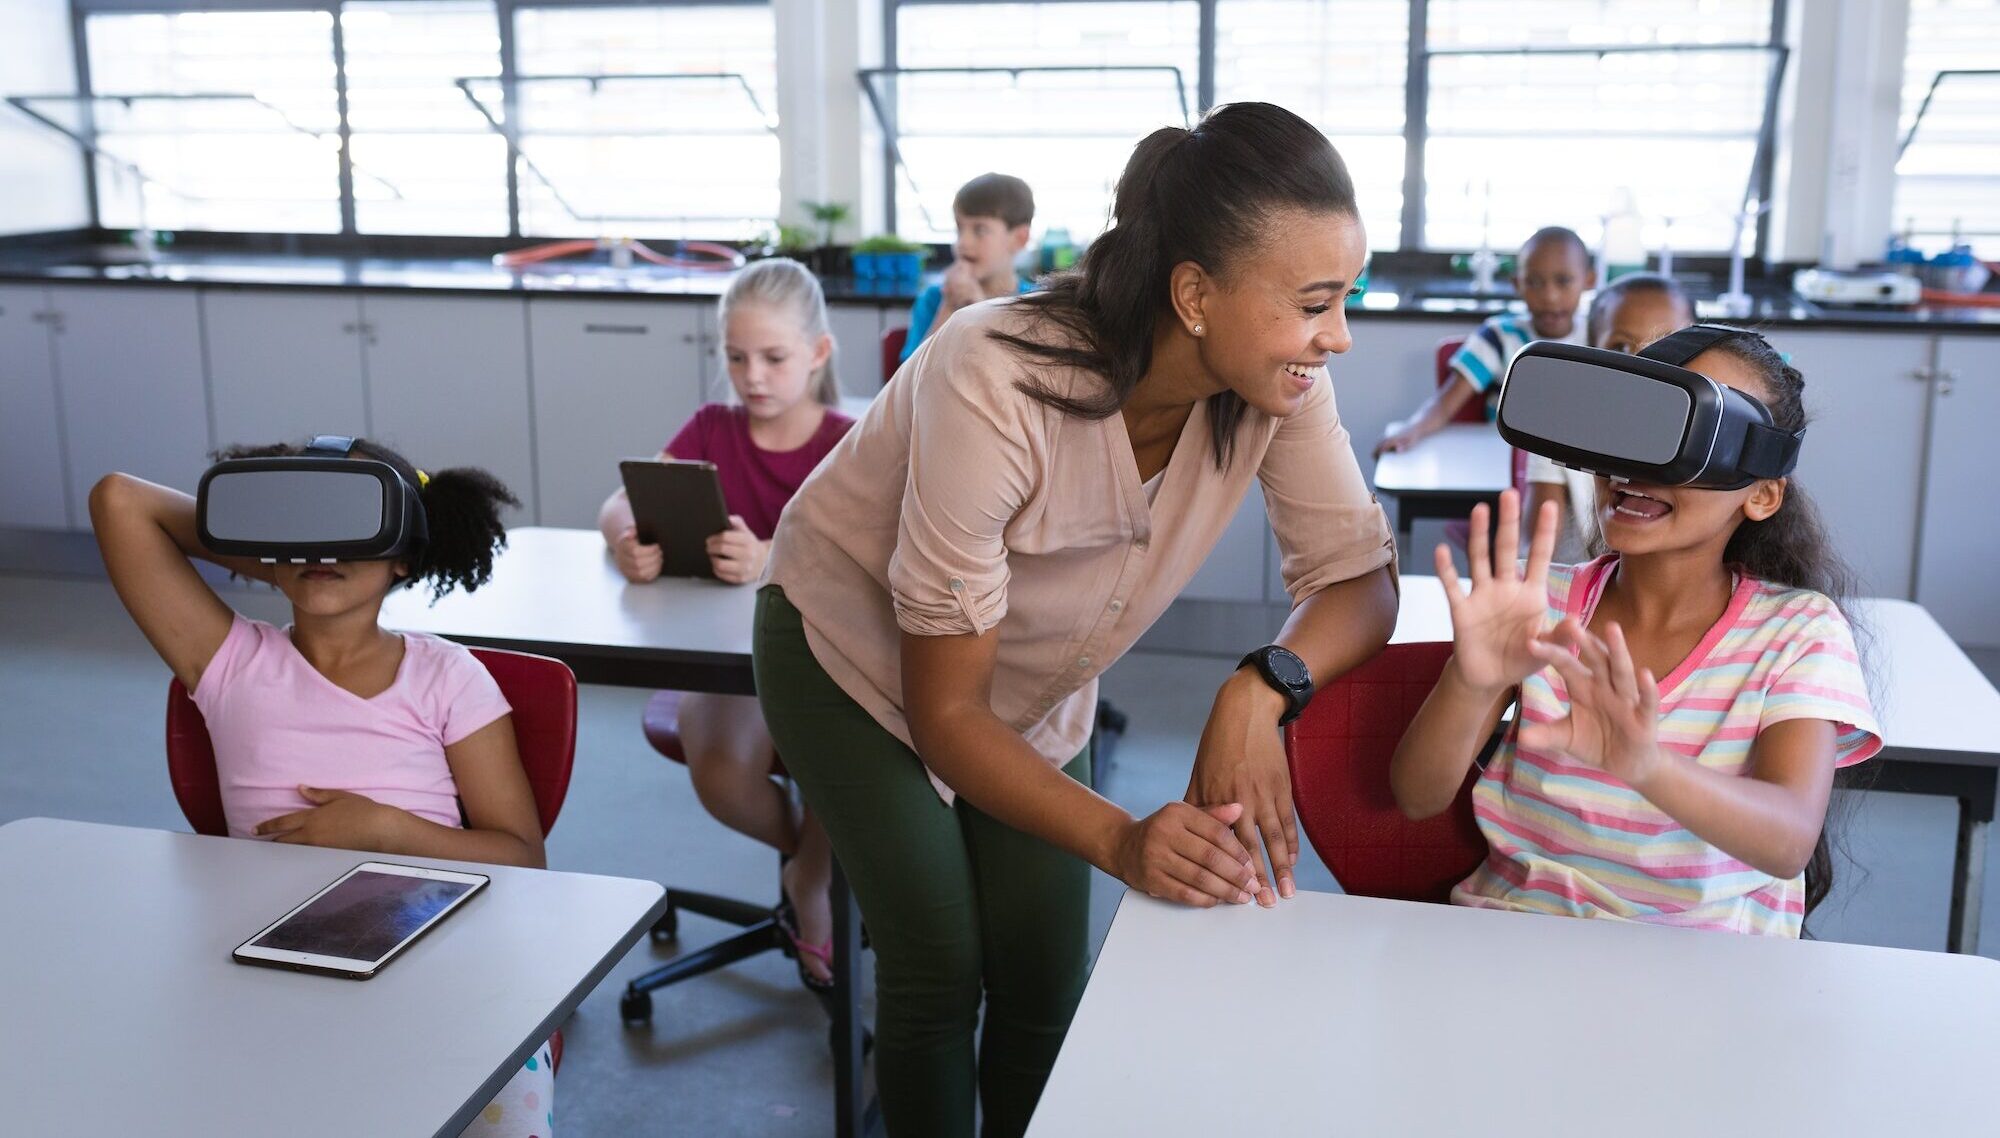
[667, 928]
[635, 1008]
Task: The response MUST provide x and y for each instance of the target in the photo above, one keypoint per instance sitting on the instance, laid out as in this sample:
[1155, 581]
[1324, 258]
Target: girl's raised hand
[1495, 624]
[1614, 709]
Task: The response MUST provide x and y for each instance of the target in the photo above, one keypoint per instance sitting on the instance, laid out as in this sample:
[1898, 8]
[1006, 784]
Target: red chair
[541, 691]
[761, 931]
[892, 352]
[1339, 752]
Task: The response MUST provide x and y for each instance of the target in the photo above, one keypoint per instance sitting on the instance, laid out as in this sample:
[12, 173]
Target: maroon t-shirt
[756, 483]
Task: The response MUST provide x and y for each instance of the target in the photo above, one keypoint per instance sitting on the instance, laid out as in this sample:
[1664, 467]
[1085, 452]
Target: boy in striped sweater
[1551, 274]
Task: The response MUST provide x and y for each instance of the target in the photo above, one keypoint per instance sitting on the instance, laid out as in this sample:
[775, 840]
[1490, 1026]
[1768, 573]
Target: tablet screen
[364, 916]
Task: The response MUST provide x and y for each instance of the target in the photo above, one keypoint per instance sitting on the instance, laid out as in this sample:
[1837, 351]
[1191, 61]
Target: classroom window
[1948, 177]
[646, 121]
[1341, 65]
[425, 160]
[214, 120]
[1520, 138]
[1068, 133]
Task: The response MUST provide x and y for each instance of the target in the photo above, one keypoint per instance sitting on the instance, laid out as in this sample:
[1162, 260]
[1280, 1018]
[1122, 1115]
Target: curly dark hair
[461, 510]
[1793, 548]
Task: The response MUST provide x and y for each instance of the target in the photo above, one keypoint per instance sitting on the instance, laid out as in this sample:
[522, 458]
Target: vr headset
[320, 506]
[1643, 418]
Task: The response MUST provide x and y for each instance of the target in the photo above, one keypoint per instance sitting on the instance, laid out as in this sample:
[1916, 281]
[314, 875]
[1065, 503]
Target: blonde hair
[785, 284]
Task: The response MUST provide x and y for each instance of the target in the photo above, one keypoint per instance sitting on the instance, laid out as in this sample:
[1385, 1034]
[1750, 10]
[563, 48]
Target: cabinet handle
[1921, 374]
[1945, 380]
[616, 329]
[350, 327]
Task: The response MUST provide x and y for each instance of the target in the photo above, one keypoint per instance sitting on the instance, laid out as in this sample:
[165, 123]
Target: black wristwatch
[1283, 670]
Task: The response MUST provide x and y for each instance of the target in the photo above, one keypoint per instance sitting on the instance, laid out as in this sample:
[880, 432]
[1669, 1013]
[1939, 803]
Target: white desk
[1350, 1015]
[556, 592]
[123, 1013]
[1940, 724]
[1446, 474]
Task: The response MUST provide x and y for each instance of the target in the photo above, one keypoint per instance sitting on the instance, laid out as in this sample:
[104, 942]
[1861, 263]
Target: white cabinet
[448, 385]
[1956, 577]
[1863, 459]
[1234, 570]
[612, 380]
[133, 394]
[284, 366]
[32, 491]
[857, 332]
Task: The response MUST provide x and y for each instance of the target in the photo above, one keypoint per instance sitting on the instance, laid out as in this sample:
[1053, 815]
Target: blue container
[902, 266]
[868, 266]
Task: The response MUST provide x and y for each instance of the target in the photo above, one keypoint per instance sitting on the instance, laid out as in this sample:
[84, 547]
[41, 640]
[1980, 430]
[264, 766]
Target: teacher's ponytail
[1210, 196]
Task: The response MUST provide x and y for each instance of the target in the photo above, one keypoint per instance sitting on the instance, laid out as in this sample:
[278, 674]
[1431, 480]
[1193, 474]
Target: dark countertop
[1415, 298]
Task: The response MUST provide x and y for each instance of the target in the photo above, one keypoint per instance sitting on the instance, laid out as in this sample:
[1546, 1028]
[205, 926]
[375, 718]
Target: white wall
[829, 144]
[41, 173]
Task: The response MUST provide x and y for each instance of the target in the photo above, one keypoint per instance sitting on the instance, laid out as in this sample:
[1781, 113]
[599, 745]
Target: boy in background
[1551, 274]
[993, 212]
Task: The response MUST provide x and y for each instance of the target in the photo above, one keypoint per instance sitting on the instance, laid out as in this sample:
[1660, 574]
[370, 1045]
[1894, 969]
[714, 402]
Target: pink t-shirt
[277, 724]
[756, 483]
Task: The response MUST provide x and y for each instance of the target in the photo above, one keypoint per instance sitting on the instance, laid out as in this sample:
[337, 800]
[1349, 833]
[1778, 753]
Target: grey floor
[743, 1052]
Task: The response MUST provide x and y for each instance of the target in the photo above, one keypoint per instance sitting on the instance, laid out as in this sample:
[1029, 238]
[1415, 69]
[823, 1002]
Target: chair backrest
[541, 690]
[1339, 752]
[1474, 410]
[892, 351]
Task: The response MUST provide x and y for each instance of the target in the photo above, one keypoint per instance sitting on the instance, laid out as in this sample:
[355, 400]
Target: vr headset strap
[1769, 452]
[1680, 347]
[330, 446]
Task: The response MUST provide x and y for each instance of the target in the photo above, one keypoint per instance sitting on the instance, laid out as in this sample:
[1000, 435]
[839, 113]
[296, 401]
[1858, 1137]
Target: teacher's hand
[1242, 759]
[1181, 853]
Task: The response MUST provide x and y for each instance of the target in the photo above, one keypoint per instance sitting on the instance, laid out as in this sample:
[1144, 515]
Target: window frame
[504, 11]
[1416, 100]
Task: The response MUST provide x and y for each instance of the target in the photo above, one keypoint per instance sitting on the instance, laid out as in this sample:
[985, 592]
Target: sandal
[788, 923]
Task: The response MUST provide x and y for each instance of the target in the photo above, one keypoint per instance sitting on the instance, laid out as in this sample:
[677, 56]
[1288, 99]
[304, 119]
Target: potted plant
[827, 259]
[888, 257]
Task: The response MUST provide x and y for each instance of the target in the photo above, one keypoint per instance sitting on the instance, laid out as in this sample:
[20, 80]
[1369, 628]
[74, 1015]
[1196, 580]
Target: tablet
[677, 506]
[358, 924]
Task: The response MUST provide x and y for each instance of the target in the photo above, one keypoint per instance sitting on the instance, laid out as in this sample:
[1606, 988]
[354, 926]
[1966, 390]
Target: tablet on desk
[677, 506]
[366, 918]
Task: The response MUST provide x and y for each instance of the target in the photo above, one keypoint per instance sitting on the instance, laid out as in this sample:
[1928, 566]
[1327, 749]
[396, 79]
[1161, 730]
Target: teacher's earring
[1196, 329]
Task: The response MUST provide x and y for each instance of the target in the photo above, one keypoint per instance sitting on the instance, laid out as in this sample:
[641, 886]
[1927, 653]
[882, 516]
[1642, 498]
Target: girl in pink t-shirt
[334, 731]
[1684, 700]
[780, 357]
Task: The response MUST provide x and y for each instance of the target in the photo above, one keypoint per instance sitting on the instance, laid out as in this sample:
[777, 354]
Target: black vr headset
[320, 506]
[1643, 418]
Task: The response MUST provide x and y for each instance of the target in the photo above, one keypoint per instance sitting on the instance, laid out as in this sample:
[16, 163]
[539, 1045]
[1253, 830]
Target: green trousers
[960, 908]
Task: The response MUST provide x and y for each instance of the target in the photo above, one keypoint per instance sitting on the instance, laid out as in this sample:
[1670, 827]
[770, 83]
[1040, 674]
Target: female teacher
[1030, 493]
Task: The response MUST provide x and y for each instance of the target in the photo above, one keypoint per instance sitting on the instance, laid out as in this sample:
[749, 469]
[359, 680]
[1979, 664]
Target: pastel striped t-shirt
[1569, 839]
[1484, 357]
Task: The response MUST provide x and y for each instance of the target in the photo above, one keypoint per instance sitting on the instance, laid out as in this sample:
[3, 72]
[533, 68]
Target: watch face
[1289, 670]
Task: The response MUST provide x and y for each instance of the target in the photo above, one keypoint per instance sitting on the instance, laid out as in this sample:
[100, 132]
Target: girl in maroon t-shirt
[780, 357]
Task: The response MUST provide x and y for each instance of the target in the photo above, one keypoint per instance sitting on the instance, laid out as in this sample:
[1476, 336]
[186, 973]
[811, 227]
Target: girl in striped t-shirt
[1684, 700]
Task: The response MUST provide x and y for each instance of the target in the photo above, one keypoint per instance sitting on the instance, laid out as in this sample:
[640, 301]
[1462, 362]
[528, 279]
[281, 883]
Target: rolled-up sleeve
[970, 473]
[1329, 526]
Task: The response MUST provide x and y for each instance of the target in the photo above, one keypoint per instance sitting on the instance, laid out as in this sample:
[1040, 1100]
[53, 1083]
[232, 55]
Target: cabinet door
[31, 459]
[448, 385]
[284, 366]
[612, 380]
[1866, 396]
[133, 396]
[1961, 537]
[857, 329]
[1235, 570]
